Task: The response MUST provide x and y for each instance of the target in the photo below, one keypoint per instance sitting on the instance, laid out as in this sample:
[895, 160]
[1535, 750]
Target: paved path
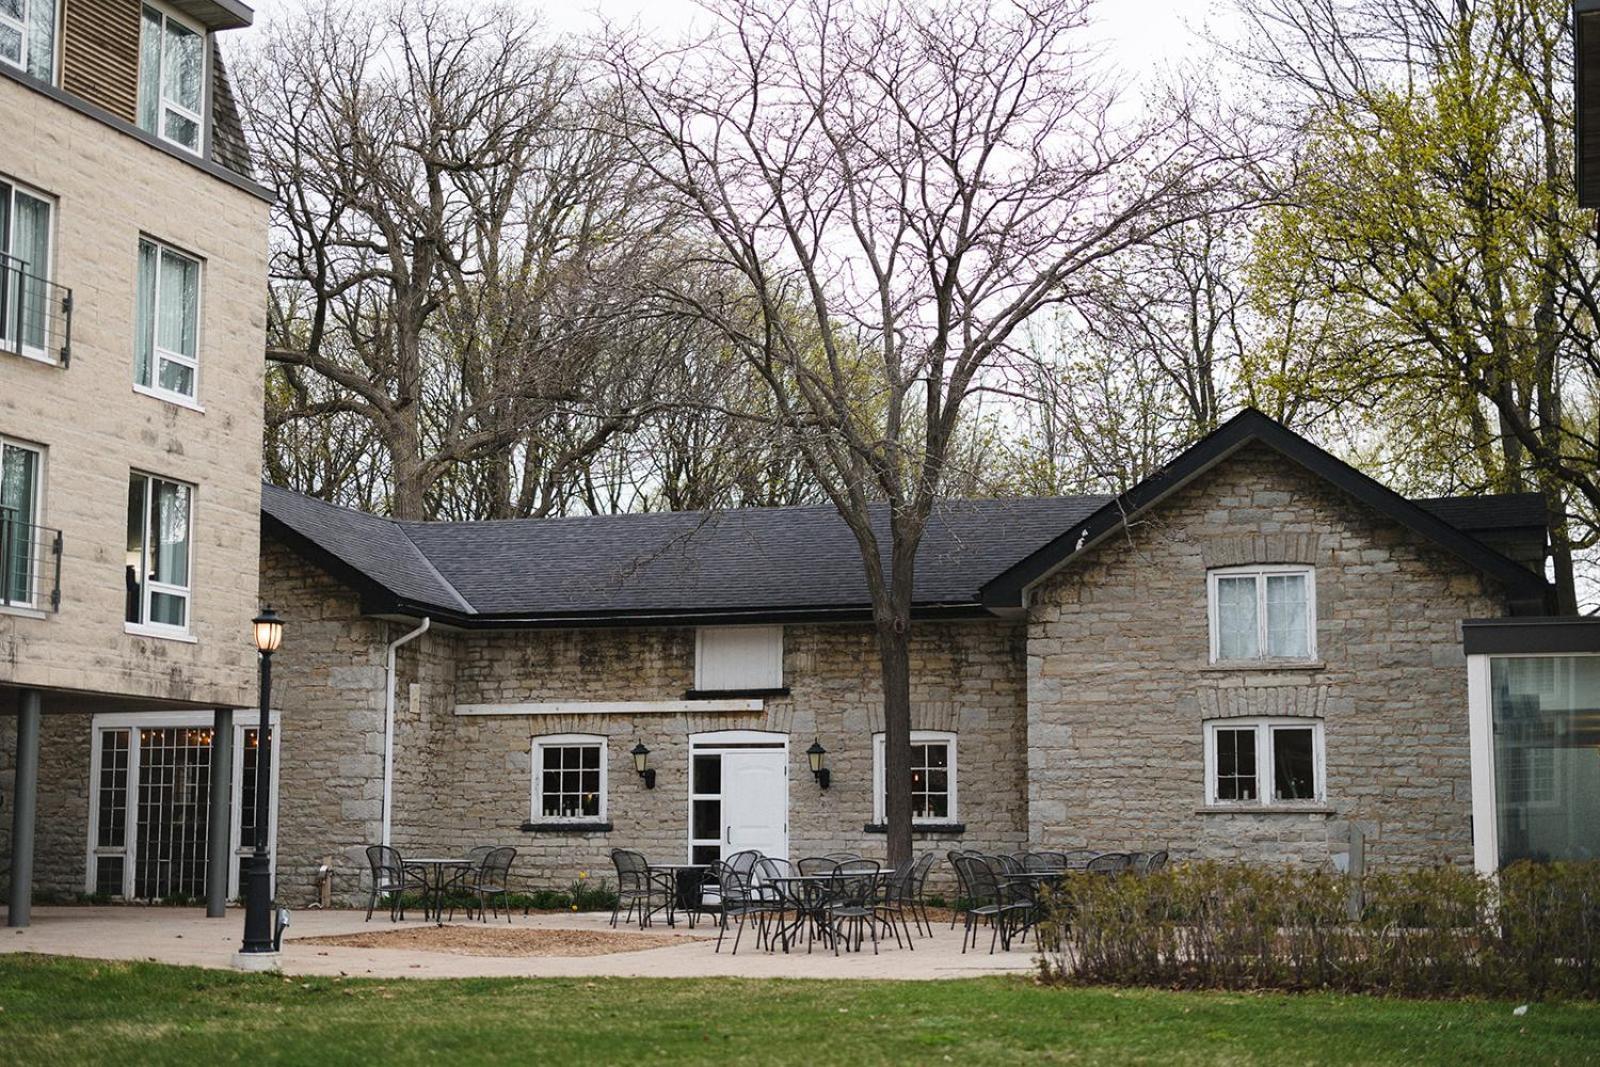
[186, 936]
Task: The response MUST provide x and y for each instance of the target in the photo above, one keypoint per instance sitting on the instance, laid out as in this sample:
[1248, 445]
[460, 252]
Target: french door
[739, 794]
[149, 816]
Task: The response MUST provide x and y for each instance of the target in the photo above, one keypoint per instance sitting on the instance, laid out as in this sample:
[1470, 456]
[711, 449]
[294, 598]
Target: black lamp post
[815, 753]
[258, 932]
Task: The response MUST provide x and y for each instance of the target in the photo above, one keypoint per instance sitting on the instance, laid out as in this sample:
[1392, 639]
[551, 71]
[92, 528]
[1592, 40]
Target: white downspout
[388, 721]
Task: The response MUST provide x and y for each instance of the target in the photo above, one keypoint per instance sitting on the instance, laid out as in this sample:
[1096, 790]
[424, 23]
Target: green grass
[61, 1011]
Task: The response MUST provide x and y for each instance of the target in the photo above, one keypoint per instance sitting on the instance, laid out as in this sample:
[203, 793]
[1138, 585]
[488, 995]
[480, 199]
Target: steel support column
[24, 803]
[219, 833]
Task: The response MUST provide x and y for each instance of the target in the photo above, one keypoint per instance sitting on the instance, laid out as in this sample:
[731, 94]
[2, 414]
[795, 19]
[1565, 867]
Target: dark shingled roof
[1479, 514]
[228, 146]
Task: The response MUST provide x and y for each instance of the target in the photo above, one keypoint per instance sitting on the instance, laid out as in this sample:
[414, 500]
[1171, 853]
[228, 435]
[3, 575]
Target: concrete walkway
[186, 936]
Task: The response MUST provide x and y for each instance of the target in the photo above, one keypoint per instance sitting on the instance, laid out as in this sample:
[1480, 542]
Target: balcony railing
[35, 313]
[30, 564]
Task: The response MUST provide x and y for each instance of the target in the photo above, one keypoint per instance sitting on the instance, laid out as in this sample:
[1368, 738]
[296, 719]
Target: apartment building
[132, 274]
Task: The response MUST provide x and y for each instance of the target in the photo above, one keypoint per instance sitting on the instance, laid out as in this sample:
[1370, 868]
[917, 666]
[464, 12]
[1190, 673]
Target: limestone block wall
[1119, 683]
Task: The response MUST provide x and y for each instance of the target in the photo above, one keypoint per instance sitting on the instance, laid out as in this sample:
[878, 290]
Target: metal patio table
[435, 881]
[807, 893]
[688, 882]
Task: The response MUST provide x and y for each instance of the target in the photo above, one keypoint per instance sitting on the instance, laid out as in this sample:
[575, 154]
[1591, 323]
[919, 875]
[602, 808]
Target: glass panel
[108, 875]
[112, 823]
[169, 532]
[10, 43]
[42, 40]
[169, 609]
[938, 806]
[134, 569]
[182, 66]
[145, 314]
[1546, 713]
[1236, 618]
[14, 10]
[1287, 613]
[1236, 763]
[1293, 763]
[552, 758]
[178, 314]
[177, 378]
[591, 757]
[708, 775]
[247, 787]
[19, 481]
[174, 799]
[707, 820]
[183, 130]
[149, 69]
[30, 249]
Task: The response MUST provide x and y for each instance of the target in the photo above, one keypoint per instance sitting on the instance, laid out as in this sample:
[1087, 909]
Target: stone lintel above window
[1262, 548]
[1262, 701]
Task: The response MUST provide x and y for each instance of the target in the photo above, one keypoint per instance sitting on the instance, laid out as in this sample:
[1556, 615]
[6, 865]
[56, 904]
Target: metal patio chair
[489, 882]
[637, 887]
[852, 903]
[389, 876]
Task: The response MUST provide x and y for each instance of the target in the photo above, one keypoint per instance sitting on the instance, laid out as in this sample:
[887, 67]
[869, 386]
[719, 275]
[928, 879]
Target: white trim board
[615, 707]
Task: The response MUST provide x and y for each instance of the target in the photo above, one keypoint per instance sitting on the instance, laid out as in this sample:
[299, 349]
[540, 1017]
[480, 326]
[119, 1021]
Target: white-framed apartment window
[160, 529]
[933, 778]
[21, 505]
[25, 228]
[569, 779]
[1264, 762]
[28, 36]
[737, 658]
[172, 77]
[1262, 613]
[166, 350]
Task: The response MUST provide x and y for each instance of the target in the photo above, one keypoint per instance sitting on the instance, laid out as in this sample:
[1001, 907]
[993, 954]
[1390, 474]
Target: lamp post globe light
[259, 935]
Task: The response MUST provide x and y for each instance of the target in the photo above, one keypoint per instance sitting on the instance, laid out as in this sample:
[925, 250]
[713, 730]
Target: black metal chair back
[1109, 863]
[1157, 861]
[814, 865]
[1078, 858]
[494, 871]
[633, 870]
[388, 869]
[1047, 861]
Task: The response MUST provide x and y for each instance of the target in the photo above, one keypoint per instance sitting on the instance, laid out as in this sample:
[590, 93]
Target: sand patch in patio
[501, 941]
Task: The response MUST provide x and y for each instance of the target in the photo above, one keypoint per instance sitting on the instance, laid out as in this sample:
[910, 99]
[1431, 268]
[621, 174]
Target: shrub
[1441, 931]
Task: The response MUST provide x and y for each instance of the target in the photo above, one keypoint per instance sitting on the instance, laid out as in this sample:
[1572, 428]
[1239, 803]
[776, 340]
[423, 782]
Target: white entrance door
[755, 802]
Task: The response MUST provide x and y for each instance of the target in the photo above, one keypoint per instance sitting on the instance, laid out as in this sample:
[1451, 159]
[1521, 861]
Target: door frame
[722, 742]
[243, 719]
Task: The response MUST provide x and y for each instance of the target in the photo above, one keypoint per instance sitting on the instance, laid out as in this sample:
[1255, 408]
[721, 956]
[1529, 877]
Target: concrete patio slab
[186, 936]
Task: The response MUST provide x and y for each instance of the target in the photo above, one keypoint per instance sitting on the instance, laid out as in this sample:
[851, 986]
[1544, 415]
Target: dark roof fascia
[121, 125]
[376, 598]
[1530, 636]
[1010, 587]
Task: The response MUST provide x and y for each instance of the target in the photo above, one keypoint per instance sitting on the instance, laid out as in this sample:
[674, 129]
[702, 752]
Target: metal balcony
[30, 564]
[35, 314]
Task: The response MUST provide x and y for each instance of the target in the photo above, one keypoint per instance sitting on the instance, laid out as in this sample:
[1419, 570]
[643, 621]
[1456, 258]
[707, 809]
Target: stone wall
[1119, 682]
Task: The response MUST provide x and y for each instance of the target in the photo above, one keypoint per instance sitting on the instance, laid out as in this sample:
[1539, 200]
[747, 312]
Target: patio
[186, 936]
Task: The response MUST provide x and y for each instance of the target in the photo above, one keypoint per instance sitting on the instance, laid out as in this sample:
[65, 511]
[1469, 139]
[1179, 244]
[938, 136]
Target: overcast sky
[1141, 36]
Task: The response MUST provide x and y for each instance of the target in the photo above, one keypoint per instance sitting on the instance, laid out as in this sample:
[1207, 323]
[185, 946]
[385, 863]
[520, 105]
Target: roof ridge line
[465, 604]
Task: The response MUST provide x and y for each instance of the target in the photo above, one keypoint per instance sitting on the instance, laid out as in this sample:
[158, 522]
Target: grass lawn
[61, 1011]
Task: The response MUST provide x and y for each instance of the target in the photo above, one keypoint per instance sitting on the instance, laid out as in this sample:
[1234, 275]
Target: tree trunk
[894, 650]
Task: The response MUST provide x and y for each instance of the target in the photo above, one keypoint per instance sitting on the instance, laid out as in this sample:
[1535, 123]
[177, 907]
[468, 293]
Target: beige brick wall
[1119, 684]
[110, 188]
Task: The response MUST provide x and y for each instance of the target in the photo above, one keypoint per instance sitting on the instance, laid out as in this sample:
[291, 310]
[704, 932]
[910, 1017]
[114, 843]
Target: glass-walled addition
[1545, 712]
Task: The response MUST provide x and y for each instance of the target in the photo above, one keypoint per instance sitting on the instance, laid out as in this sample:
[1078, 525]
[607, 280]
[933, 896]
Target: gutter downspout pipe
[388, 721]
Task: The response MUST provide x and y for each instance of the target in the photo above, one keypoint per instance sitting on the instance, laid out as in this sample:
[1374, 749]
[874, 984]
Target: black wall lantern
[814, 754]
[641, 763]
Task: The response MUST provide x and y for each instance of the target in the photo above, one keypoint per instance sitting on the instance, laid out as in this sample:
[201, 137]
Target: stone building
[1241, 658]
[132, 267]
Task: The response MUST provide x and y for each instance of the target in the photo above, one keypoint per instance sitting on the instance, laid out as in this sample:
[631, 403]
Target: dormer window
[172, 78]
[28, 36]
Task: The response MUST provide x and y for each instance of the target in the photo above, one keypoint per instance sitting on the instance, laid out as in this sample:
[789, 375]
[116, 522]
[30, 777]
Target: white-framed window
[738, 658]
[166, 348]
[1263, 613]
[28, 36]
[933, 778]
[569, 778]
[1264, 761]
[172, 77]
[21, 505]
[160, 527]
[25, 228]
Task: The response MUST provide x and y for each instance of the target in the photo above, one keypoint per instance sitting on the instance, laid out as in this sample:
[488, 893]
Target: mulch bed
[501, 941]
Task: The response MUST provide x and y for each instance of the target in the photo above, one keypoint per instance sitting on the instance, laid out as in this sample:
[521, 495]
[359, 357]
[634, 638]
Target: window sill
[21, 611]
[164, 635]
[727, 694]
[566, 827]
[1268, 665]
[32, 357]
[923, 828]
[175, 399]
[1266, 809]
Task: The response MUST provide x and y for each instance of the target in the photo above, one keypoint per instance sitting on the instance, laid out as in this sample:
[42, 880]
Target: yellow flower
[574, 907]
[583, 874]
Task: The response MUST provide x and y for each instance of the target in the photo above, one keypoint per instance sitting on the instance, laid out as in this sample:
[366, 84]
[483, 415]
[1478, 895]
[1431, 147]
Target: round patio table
[435, 881]
[805, 892]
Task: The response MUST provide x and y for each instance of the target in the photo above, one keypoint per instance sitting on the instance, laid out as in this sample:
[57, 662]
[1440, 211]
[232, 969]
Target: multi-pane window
[1264, 761]
[172, 78]
[160, 522]
[933, 777]
[569, 778]
[24, 269]
[20, 467]
[166, 353]
[28, 36]
[1263, 613]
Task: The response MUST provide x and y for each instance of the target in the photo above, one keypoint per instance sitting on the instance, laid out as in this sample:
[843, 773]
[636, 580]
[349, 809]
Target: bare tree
[886, 194]
[453, 229]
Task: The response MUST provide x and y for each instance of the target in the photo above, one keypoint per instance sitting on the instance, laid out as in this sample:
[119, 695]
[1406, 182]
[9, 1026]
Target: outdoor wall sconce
[815, 753]
[641, 763]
